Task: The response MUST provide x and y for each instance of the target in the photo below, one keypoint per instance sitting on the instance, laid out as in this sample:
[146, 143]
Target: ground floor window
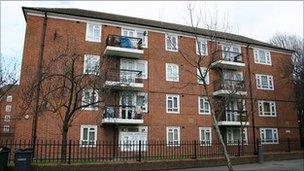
[269, 135]
[205, 136]
[173, 136]
[234, 137]
[88, 135]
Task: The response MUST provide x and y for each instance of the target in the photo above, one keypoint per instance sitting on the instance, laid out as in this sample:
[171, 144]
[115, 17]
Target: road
[283, 165]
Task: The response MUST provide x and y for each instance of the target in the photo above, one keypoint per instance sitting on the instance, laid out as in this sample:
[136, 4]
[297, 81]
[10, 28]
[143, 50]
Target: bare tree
[66, 89]
[219, 49]
[295, 69]
[8, 76]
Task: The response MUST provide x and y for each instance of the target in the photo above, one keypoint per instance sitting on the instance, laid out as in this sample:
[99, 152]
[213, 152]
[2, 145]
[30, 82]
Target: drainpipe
[39, 77]
[250, 97]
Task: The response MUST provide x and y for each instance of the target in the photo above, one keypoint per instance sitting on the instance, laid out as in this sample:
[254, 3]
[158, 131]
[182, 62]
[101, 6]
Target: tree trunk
[64, 144]
[226, 155]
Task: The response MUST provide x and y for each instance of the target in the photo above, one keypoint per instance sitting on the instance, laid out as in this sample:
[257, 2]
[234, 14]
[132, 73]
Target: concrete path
[283, 165]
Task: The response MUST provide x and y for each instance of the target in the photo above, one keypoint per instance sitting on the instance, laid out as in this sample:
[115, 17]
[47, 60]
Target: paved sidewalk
[283, 165]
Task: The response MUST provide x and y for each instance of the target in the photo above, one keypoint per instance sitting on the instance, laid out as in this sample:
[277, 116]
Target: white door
[127, 102]
[127, 74]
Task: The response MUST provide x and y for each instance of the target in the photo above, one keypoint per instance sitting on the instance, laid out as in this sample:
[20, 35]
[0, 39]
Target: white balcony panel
[122, 121]
[229, 93]
[232, 123]
[123, 52]
[228, 64]
[123, 84]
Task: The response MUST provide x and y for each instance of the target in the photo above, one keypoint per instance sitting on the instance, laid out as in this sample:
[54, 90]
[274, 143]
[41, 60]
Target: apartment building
[154, 94]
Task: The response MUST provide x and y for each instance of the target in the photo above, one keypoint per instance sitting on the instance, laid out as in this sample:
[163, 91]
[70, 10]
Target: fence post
[260, 152]
[195, 150]
[239, 148]
[288, 142]
[139, 150]
[70, 148]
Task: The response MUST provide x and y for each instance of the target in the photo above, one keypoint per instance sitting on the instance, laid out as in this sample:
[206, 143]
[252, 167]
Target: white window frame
[274, 132]
[7, 118]
[90, 39]
[85, 64]
[203, 142]
[147, 100]
[231, 46]
[136, 30]
[176, 79]
[244, 140]
[167, 47]
[270, 82]
[6, 128]
[9, 98]
[272, 106]
[178, 134]
[203, 41]
[83, 99]
[81, 135]
[144, 75]
[178, 103]
[8, 108]
[207, 79]
[200, 107]
[257, 59]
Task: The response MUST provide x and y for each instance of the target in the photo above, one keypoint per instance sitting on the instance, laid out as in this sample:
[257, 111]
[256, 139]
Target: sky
[255, 19]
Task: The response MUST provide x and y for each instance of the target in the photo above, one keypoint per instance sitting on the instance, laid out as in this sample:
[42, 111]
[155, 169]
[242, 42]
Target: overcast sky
[258, 20]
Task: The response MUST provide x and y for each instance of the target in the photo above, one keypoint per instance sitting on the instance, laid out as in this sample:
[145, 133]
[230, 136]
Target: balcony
[228, 60]
[122, 115]
[233, 118]
[123, 46]
[226, 87]
[123, 79]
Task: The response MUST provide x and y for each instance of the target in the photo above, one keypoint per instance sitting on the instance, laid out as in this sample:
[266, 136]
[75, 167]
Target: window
[200, 77]
[137, 65]
[172, 103]
[8, 108]
[233, 136]
[205, 136]
[139, 33]
[262, 57]
[90, 99]
[91, 64]
[9, 98]
[172, 72]
[142, 101]
[88, 135]
[203, 106]
[7, 118]
[173, 136]
[269, 135]
[171, 42]
[201, 46]
[231, 52]
[264, 82]
[93, 32]
[6, 128]
[267, 108]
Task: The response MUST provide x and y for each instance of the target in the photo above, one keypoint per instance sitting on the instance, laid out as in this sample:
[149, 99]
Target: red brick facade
[156, 119]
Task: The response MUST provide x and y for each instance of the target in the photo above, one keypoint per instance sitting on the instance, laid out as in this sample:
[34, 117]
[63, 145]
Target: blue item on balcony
[125, 42]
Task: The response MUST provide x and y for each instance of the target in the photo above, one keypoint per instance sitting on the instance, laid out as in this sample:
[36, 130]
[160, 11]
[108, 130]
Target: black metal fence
[49, 151]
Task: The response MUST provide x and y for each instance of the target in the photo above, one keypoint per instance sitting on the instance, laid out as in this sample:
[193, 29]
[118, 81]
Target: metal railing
[122, 112]
[227, 84]
[49, 151]
[228, 56]
[124, 76]
[234, 116]
[124, 42]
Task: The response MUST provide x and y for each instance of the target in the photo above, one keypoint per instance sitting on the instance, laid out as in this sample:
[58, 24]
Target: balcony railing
[122, 114]
[124, 78]
[124, 42]
[231, 85]
[234, 116]
[123, 46]
[227, 60]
